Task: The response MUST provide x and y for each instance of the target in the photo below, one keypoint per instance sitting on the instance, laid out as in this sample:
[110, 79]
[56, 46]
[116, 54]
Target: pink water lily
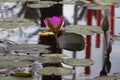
[54, 23]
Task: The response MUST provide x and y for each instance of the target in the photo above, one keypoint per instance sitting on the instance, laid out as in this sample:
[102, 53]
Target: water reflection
[94, 50]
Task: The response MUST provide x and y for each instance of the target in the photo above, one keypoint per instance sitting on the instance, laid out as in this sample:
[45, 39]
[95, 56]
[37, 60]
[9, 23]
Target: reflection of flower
[54, 23]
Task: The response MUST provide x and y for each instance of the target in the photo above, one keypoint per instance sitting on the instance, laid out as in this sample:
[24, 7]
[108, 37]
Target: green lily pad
[15, 0]
[57, 55]
[11, 23]
[55, 71]
[63, 71]
[48, 2]
[15, 78]
[22, 74]
[78, 62]
[29, 48]
[16, 61]
[66, 2]
[107, 2]
[39, 5]
[105, 78]
[51, 60]
[99, 7]
[16, 57]
[72, 42]
[116, 37]
[117, 75]
[47, 70]
[83, 29]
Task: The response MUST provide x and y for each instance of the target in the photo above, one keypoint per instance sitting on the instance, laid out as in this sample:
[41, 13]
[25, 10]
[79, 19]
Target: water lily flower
[54, 23]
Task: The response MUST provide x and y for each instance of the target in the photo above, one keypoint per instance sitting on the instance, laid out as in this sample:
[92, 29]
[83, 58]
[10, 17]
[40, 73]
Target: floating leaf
[116, 37]
[105, 24]
[57, 55]
[63, 71]
[55, 71]
[48, 2]
[16, 61]
[105, 78]
[47, 70]
[52, 57]
[107, 2]
[85, 1]
[78, 62]
[117, 75]
[83, 29]
[46, 33]
[15, 78]
[39, 5]
[98, 7]
[16, 57]
[66, 2]
[77, 29]
[72, 41]
[22, 74]
[29, 48]
[11, 23]
[51, 60]
[15, 0]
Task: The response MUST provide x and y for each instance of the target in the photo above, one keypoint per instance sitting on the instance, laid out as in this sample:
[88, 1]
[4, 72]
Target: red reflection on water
[112, 14]
[99, 17]
[88, 39]
[88, 52]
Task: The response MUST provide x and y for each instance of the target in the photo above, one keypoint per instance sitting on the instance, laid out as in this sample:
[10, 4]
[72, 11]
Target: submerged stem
[56, 38]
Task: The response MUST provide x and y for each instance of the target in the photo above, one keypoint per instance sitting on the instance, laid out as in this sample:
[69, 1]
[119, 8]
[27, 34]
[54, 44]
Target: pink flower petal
[55, 21]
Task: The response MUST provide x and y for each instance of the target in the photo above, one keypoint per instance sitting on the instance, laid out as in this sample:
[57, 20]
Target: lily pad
[22, 74]
[15, 78]
[99, 7]
[67, 2]
[72, 42]
[48, 2]
[11, 23]
[63, 71]
[85, 1]
[15, 0]
[116, 37]
[29, 48]
[13, 57]
[117, 75]
[78, 62]
[51, 60]
[105, 78]
[16, 61]
[57, 55]
[107, 2]
[55, 71]
[83, 29]
[39, 5]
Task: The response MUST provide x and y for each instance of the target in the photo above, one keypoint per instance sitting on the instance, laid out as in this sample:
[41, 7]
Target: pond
[93, 49]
